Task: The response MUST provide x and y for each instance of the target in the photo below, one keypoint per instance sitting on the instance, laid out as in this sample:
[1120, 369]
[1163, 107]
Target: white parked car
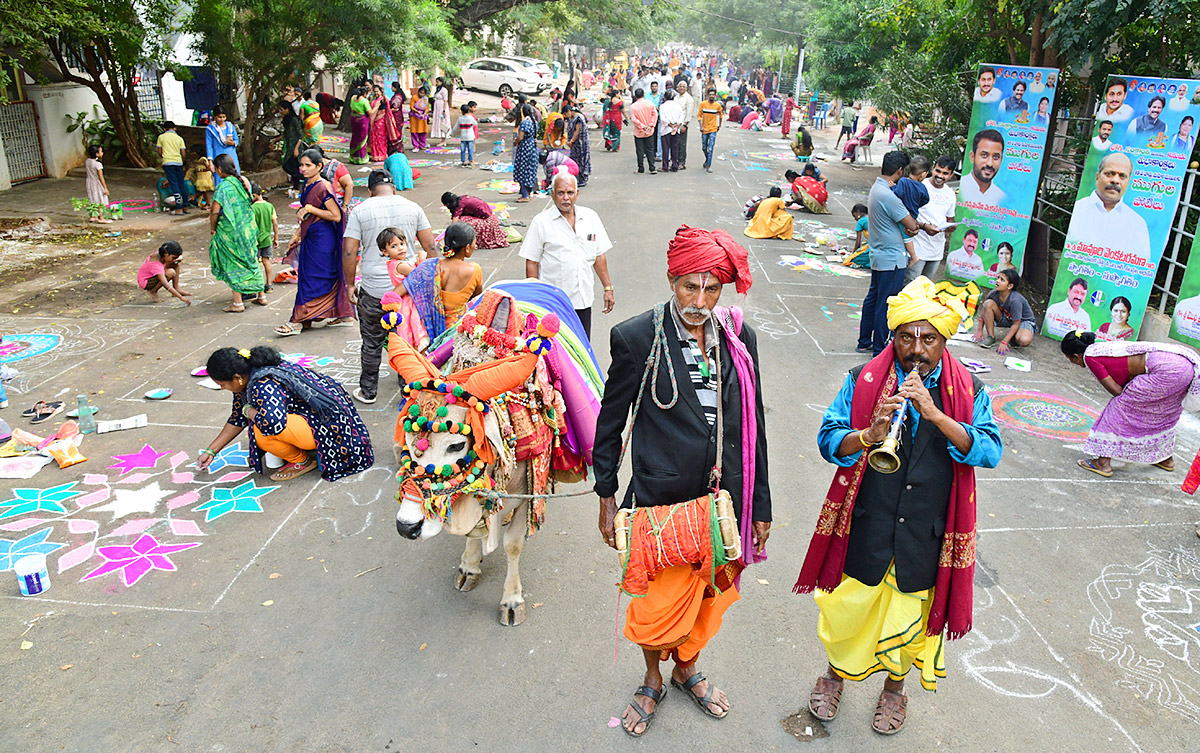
[503, 76]
[541, 66]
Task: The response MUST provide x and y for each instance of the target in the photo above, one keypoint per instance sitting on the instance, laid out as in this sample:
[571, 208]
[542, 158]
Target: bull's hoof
[465, 581]
[512, 615]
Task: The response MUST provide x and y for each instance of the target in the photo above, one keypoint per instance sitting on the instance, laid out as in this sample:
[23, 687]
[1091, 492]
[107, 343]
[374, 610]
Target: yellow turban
[921, 301]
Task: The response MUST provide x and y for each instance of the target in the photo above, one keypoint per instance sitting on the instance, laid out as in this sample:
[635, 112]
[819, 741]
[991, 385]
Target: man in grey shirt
[384, 209]
[889, 224]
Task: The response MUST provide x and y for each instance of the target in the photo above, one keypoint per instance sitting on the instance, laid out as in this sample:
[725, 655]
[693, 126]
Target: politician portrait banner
[1010, 119]
[1142, 137]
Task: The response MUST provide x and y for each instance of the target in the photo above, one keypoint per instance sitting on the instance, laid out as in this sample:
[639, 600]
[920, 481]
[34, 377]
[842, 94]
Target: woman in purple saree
[1151, 384]
[321, 292]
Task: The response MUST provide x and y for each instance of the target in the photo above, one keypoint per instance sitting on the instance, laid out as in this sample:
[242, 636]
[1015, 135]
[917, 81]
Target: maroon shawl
[826, 558]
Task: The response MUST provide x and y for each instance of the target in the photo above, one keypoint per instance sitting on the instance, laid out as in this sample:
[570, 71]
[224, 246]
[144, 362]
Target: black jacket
[673, 450]
[902, 515]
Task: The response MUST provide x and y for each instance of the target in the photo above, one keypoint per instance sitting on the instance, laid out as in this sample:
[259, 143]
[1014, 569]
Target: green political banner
[1132, 179]
[1006, 144]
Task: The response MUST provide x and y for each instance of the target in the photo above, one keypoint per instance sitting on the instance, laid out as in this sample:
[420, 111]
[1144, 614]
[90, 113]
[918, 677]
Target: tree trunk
[115, 104]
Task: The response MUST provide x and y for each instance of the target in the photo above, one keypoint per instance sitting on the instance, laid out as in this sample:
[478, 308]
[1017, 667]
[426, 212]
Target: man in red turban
[715, 252]
[703, 361]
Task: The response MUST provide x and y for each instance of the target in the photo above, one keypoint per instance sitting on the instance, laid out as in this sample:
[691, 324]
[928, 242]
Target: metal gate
[149, 95]
[21, 141]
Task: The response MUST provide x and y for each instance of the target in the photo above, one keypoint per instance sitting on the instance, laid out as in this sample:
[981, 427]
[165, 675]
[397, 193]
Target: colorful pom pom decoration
[390, 320]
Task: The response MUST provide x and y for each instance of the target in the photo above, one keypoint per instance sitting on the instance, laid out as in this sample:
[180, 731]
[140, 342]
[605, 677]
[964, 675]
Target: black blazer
[673, 450]
[902, 515]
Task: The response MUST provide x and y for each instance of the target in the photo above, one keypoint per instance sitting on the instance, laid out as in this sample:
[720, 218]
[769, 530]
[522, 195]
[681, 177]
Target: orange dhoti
[292, 444]
[676, 616]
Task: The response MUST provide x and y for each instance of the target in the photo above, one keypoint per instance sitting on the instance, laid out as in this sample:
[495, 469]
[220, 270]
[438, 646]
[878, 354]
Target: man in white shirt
[564, 243]
[1103, 220]
[987, 91]
[930, 247]
[1068, 316]
[1103, 138]
[382, 209]
[1114, 108]
[987, 153]
[690, 109]
[1037, 87]
[964, 263]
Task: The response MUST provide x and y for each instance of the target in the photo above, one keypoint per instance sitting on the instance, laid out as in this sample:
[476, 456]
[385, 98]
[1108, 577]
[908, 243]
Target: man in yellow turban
[893, 555]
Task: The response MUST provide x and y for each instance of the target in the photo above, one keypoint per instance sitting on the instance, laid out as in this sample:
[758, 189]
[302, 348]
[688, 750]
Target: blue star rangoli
[32, 500]
[230, 455]
[34, 543]
[243, 498]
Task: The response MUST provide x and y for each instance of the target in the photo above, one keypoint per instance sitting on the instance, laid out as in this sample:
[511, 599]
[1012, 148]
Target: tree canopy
[264, 46]
[102, 46]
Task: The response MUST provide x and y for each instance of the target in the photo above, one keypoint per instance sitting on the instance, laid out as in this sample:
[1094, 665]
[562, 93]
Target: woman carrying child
[442, 288]
[303, 417]
[321, 290]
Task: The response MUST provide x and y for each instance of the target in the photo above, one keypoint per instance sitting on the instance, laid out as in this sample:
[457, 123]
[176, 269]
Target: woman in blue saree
[321, 292]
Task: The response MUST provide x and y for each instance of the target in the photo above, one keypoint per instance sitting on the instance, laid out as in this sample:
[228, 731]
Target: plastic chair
[863, 151]
[819, 120]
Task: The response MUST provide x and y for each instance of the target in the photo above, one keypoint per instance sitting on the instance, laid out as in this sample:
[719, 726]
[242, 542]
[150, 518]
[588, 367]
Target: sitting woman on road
[864, 138]
[771, 219]
[303, 417]
[1151, 385]
[479, 215]
[233, 252]
[317, 244]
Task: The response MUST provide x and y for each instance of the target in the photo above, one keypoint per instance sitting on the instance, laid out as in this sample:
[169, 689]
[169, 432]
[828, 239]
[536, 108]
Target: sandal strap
[695, 680]
[649, 692]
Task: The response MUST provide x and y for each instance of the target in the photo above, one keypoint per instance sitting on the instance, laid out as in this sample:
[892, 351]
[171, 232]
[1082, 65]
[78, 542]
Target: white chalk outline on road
[267, 543]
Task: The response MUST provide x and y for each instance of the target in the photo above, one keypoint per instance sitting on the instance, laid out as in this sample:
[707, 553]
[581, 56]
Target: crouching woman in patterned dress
[303, 417]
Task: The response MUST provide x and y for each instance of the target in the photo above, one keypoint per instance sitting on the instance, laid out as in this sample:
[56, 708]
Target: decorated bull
[482, 439]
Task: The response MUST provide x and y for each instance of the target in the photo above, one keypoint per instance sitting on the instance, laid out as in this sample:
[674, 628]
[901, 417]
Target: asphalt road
[311, 626]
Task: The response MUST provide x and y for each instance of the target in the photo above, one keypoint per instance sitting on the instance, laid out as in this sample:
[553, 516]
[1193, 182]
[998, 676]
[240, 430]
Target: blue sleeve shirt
[986, 445]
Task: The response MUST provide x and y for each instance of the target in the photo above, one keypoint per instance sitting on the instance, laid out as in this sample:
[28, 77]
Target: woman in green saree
[360, 126]
[233, 253]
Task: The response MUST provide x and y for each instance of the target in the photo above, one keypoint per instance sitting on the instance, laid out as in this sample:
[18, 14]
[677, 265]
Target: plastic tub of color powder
[272, 461]
[32, 576]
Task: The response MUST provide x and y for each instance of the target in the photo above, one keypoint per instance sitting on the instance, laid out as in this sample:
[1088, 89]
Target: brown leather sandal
[890, 712]
[825, 696]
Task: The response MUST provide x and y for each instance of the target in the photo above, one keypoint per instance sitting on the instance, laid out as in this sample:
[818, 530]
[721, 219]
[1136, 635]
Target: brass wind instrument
[884, 458]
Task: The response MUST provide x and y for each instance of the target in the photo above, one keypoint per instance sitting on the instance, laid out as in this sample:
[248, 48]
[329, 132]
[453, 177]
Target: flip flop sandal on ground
[1087, 466]
[287, 330]
[825, 697]
[260, 301]
[47, 412]
[294, 470]
[341, 323]
[1163, 464]
[647, 718]
[235, 308]
[40, 406]
[890, 713]
[706, 702]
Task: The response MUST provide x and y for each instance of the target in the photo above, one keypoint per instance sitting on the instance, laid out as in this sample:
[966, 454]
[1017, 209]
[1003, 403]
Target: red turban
[714, 252]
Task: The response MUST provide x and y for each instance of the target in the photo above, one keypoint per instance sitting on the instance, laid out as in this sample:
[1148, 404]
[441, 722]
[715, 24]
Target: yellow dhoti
[675, 615]
[869, 629]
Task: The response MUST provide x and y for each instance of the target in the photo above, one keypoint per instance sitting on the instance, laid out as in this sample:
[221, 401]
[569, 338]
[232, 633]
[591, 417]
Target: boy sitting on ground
[162, 271]
[1005, 307]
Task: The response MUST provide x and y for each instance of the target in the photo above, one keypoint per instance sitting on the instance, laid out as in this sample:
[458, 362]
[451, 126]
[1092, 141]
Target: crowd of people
[891, 588]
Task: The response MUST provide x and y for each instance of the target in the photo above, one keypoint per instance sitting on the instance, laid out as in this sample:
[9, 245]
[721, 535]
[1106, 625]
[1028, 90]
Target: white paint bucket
[272, 461]
[32, 576]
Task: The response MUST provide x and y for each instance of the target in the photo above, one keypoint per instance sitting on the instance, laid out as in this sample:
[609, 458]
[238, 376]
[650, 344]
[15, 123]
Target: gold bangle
[862, 439]
[608, 288]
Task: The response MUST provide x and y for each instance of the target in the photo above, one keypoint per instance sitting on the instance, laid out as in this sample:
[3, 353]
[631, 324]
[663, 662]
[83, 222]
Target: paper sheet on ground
[24, 466]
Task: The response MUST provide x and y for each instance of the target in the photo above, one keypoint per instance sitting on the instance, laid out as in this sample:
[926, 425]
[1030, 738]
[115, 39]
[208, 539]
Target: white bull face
[464, 512]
